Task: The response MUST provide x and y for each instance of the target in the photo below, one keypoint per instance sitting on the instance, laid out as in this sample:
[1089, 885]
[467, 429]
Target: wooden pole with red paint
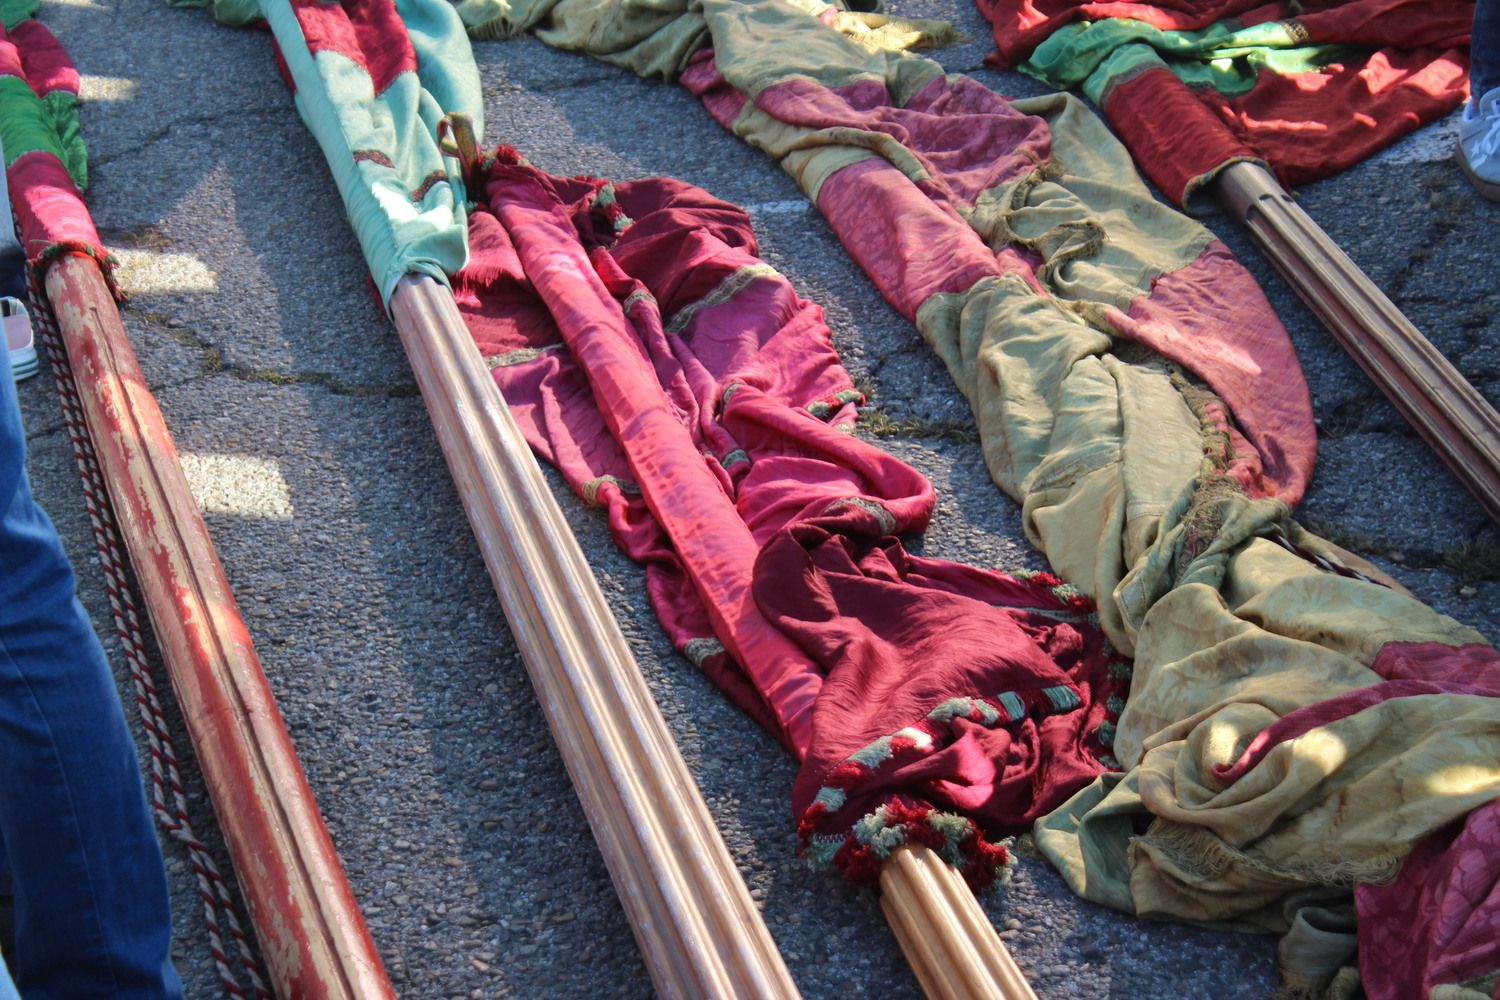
[310, 929]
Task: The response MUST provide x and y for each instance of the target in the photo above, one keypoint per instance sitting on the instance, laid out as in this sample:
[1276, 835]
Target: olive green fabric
[658, 37]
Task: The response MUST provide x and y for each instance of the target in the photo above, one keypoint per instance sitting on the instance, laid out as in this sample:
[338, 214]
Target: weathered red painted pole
[310, 929]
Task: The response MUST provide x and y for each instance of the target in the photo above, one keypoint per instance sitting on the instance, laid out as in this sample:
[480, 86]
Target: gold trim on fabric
[726, 290]
[635, 298]
[519, 356]
[886, 518]
[698, 650]
[591, 488]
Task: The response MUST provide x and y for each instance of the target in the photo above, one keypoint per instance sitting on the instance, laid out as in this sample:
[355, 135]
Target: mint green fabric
[399, 235]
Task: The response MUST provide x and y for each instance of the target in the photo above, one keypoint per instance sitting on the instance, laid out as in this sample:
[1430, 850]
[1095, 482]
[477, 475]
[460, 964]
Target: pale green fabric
[398, 234]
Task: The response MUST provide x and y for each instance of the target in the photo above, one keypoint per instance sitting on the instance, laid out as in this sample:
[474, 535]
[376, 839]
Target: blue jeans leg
[7, 985]
[1484, 49]
[90, 893]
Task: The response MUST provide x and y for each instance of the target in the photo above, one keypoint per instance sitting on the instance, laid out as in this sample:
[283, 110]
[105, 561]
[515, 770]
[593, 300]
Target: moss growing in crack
[139, 238]
[1475, 560]
[268, 376]
[322, 380]
[880, 424]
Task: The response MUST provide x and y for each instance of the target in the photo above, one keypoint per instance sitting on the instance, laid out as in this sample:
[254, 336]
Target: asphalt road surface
[311, 454]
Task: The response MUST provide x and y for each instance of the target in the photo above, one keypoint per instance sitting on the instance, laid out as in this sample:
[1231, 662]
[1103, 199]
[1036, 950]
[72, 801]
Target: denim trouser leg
[1484, 49]
[86, 869]
[7, 985]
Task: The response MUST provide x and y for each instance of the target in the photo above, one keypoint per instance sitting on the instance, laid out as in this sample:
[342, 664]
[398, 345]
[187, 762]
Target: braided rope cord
[165, 782]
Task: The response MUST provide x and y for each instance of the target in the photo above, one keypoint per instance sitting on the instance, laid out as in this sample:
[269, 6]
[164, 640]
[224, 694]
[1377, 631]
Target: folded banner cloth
[680, 382]
[372, 81]
[1132, 390]
[1308, 87]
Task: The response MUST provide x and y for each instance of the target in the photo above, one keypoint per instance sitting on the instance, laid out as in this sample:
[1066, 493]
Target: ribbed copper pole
[950, 943]
[693, 918]
[311, 933]
[1439, 403]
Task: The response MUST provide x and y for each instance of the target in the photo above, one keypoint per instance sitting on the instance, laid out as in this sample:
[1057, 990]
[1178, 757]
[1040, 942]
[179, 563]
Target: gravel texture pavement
[309, 448]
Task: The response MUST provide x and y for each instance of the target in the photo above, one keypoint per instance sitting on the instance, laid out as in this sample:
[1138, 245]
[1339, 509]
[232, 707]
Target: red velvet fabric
[1021, 25]
[1305, 126]
[909, 245]
[684, 386]
[898, 635]
[1172, 132]
[1438, 922]
[49, 210]
[40, 58]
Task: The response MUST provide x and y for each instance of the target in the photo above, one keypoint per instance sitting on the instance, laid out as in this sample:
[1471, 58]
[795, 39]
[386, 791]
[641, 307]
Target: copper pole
[693, 918]
[1449, 414]
[950, 943]
[311, 933]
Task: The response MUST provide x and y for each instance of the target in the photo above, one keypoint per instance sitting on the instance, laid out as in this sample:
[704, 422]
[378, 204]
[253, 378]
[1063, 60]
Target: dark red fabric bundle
[1406, 65]
[682, 384]
[1021, 25]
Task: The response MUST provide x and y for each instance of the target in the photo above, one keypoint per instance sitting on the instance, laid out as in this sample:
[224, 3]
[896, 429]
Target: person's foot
[17, 323]
[1478, 149]
[18, 338]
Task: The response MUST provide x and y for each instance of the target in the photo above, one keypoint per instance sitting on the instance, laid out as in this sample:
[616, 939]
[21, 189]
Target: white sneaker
[1478, 149]
[17, 323]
